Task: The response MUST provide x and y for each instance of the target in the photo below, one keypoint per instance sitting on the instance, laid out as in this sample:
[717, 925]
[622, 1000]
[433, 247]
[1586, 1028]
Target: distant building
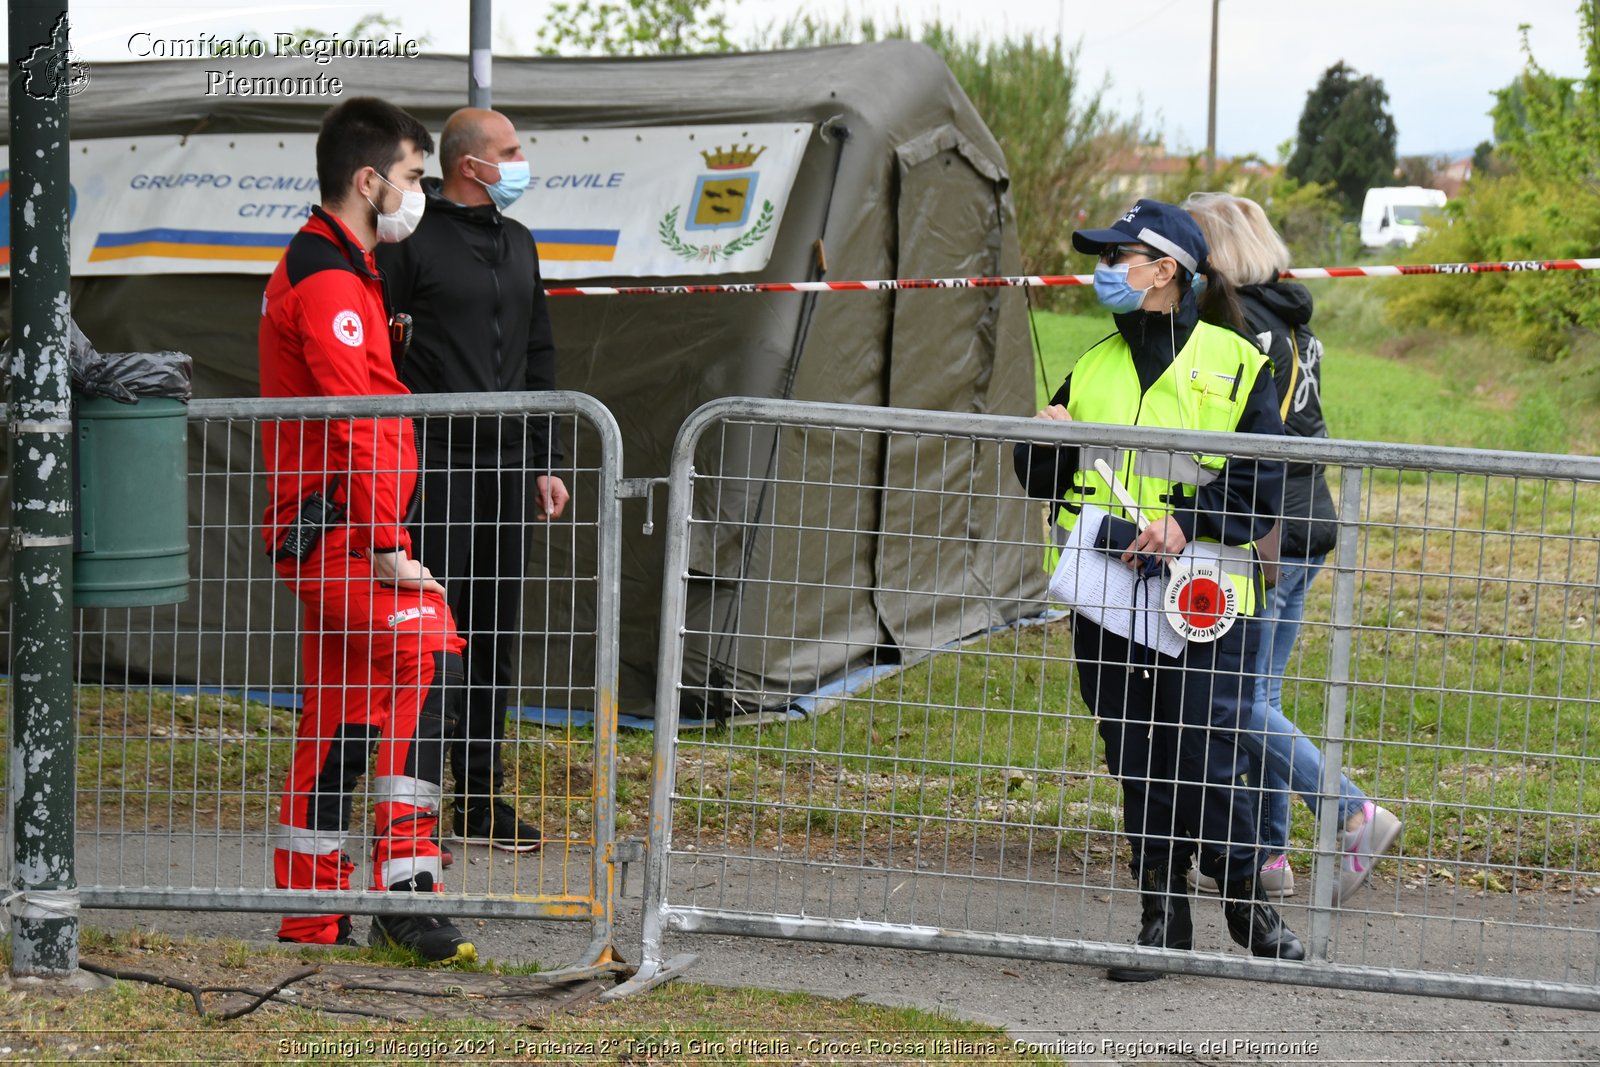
[1149, 170]
[1450, 178]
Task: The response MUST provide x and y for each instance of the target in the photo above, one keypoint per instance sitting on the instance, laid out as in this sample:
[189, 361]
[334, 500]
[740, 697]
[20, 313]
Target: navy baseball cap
[1165, 227]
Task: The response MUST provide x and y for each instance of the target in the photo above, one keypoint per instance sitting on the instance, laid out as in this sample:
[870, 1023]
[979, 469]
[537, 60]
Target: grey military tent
[901, 179]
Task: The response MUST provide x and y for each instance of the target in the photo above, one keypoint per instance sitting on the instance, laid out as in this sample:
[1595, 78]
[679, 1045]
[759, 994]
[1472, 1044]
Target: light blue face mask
[514, 178]
[1111, 286]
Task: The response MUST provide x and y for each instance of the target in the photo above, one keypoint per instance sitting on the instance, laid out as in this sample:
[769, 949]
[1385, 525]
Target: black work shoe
[1165, 921]
[345, 939]
[1256, 925]
[435, 939]
[498, 828]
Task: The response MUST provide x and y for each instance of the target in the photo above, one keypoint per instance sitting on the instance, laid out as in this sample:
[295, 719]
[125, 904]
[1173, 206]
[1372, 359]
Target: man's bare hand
[1057, 412]
[1164, 538]
[397, 568]
[552, 497]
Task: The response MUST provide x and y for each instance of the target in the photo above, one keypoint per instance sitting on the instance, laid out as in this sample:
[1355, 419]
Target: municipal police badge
[1200, 601]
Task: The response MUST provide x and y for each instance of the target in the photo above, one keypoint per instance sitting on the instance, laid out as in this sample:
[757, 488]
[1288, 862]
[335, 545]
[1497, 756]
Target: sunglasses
[1110, 256]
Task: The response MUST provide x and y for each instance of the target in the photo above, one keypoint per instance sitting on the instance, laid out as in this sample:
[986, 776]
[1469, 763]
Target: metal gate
[950, 794]
[186, 715]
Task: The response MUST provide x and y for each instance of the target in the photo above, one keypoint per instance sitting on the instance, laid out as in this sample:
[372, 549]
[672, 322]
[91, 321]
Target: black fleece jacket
[1280, 315]
[1243, 502]
[469, 278]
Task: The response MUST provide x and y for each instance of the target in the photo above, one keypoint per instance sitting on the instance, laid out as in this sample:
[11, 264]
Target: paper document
[1107, 592]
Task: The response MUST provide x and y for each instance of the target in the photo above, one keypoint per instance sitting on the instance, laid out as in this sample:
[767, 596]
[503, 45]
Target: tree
[1540, 199]
[635, 27]
[1483, 157]
[1346, 136]
[1549, 126]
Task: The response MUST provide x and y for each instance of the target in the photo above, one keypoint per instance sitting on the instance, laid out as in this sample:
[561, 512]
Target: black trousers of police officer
[1170, 728]
[472, 532]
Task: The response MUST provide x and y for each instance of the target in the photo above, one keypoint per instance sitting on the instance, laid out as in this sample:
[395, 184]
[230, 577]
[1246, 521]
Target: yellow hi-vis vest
[1204, 388]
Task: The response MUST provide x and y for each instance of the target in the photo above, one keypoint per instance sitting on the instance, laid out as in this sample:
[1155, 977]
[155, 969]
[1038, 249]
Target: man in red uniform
[382, 659]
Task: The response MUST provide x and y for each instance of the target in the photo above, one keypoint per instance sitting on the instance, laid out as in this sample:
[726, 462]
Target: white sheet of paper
[1102, 589]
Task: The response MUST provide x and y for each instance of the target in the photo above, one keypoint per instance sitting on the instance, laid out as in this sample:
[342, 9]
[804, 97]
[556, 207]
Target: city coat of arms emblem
[720, 207]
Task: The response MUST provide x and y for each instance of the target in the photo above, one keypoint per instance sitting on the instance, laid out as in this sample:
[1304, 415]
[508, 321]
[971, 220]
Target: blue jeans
[1284, 757]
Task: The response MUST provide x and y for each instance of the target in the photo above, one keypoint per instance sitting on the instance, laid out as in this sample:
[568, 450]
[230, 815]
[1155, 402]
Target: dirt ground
[1072, 1010]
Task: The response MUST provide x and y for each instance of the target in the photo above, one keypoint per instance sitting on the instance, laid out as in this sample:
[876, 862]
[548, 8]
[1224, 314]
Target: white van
[1397, 215]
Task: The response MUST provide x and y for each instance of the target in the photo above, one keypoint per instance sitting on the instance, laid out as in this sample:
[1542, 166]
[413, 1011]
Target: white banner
[636, 202]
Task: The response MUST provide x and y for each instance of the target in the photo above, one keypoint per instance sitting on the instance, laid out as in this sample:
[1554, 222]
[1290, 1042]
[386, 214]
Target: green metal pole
[43, 897]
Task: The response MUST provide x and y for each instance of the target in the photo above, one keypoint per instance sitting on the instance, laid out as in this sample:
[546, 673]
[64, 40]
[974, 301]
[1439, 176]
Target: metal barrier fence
[187, 714]
[958, 801]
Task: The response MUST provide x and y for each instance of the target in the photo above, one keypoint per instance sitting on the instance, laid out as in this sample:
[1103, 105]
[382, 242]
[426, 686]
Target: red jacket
[325, 332]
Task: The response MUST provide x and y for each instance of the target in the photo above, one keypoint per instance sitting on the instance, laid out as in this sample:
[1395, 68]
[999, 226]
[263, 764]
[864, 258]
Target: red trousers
[382, 665]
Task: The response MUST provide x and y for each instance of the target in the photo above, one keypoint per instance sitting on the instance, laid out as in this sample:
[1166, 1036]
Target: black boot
[433, 938]
[1256, 925]
[1164, 920]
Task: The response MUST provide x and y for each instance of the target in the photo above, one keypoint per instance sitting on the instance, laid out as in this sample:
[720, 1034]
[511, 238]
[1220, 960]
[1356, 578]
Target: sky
[1439, 59]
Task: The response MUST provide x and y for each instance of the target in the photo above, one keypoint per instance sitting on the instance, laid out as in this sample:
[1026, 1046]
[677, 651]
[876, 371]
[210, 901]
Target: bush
[1514, 217]
[1544, 206]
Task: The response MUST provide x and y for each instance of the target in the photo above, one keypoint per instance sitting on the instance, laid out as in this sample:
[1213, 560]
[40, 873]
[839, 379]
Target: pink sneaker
[1276, 877]
[1360, 848]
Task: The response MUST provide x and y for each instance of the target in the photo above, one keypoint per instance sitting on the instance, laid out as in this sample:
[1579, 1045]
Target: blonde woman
[1246, 248]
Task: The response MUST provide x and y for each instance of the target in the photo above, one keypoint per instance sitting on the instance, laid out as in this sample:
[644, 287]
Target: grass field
[137, 1022]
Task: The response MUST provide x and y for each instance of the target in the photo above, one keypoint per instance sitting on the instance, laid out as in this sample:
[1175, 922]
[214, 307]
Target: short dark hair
[363, 132]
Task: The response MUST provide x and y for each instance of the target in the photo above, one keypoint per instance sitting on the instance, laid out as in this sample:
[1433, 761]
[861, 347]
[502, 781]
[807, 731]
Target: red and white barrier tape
[1508, 267]
[1046, 280]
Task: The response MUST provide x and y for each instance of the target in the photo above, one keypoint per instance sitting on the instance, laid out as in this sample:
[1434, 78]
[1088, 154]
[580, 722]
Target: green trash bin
[133, 505]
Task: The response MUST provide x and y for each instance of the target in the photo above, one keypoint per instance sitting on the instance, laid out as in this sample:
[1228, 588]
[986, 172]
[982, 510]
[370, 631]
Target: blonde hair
[1244, 246]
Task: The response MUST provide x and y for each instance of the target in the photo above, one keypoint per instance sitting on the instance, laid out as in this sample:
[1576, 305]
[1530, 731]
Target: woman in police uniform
[1170, 724]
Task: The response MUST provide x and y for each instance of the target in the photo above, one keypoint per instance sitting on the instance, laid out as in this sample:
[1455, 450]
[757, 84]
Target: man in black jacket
[469, 277]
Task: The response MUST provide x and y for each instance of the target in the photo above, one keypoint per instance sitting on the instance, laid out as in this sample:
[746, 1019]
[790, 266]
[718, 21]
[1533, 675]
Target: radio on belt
[317, 513]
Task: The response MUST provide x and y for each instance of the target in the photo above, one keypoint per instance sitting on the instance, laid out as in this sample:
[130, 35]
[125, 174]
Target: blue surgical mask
[1111, 286]
[514, 178]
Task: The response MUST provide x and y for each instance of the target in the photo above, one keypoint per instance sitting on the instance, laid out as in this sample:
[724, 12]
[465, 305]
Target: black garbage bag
[127, 376]
[120, 376]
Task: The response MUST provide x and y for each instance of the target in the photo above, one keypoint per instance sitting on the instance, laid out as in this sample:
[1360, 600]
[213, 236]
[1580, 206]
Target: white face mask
[397, 225]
